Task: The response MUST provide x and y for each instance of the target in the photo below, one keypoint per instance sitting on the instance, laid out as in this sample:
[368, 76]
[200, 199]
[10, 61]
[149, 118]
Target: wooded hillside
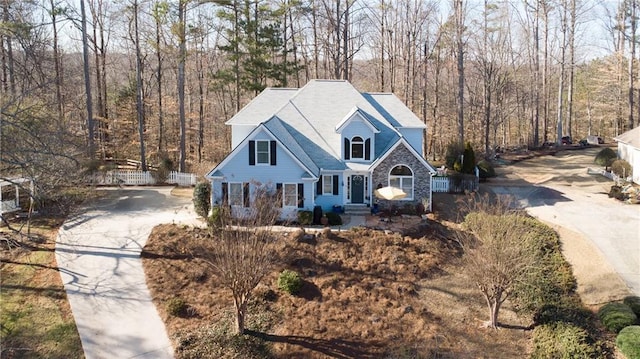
[155, 80]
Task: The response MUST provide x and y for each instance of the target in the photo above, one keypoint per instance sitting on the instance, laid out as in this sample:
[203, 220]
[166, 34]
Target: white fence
[140, 178]
[610, 175]
[440, 184]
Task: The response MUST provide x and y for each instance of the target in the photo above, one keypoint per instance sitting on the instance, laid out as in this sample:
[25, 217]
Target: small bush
[486, 169]
[633, 302]
[177, 307]
[290, 281]
[615, 316]
[334, 219]
[163, 171]
[201, 199]
[628, 341]
[215, 219]
[621, 168]
[305, 218]
[562, 340]
[606, 157]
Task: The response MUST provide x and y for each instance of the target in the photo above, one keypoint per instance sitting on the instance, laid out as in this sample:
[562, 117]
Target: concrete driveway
[559, 190]
[98, 253]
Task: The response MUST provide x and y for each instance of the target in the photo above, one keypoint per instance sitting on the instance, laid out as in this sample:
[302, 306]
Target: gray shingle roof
[305, 119]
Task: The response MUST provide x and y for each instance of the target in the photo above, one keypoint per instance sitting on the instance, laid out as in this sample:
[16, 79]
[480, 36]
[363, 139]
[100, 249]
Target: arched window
[357, 148]
[401, 176]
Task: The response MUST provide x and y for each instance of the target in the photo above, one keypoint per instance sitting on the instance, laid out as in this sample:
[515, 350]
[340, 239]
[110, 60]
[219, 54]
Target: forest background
[154, 80]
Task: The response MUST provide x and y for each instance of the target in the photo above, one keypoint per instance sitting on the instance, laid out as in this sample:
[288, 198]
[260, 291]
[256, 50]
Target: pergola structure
[10, 194]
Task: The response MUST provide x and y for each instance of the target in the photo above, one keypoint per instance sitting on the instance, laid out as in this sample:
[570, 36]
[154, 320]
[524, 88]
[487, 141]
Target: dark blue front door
[357, 189]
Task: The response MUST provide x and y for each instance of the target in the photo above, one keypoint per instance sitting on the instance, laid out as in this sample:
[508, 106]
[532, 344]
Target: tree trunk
[632, 55]
[241, 311]
[139, 95]
[87, 82]
[563, 47]
[459, 15]
[159, 75]
[572, 50]
[56, 62]
[182, 55]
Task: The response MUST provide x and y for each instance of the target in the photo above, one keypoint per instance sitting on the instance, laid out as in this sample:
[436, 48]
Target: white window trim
[284, 195]
[402, 179]
[231, 184]
[258, 163]
[353, 142]
[327, 179]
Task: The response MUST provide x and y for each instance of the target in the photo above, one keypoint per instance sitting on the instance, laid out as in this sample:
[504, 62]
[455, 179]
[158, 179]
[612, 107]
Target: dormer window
[357, 148]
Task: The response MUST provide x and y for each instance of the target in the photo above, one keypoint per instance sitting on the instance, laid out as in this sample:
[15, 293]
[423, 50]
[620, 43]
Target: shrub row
[616, 316]
[622, 318]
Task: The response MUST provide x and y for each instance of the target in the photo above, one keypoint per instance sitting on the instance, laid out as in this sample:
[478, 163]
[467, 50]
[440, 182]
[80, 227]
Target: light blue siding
[327, 201]
[357, 128]
[414, 137]
[286, 170]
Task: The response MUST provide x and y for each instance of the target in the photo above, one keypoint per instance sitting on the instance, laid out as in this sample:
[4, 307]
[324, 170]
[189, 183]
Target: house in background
[325, 144]
[629, 150]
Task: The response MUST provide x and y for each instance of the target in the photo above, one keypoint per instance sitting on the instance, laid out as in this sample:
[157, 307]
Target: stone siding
[421, 178]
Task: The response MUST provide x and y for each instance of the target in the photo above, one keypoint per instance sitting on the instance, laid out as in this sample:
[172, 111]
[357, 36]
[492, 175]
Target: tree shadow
[334, 348]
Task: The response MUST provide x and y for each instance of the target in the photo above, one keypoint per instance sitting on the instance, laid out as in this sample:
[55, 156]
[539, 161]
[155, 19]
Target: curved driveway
[560, 190]
[98, 253]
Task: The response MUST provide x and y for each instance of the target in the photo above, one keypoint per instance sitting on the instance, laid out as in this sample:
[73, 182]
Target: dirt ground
[598, 283]
[367, 294]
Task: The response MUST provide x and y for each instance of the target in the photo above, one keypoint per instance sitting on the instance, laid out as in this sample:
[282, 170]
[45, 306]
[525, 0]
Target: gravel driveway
[98, 253]
[601, 236]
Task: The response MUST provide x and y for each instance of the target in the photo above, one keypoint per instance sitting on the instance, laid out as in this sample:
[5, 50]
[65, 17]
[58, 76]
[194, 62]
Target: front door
[357, 189]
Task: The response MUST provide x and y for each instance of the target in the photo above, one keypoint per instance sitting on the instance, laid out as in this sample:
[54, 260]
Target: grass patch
[35, 317]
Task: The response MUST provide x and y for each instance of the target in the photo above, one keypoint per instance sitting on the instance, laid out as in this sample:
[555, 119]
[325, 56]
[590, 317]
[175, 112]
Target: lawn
[35, 317]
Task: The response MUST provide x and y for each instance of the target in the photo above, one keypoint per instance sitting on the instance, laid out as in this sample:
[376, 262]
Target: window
[402, 177]
[327, 184]
[235, 194]
[262, 152]
[290, 196]
[357, 148]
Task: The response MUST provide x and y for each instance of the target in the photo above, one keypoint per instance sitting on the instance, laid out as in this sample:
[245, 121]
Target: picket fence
[440, 184]
[141, 178]
[455, 183]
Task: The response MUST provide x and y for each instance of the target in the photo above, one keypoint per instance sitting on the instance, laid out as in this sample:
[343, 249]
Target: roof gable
[288, 145]
[354, 114]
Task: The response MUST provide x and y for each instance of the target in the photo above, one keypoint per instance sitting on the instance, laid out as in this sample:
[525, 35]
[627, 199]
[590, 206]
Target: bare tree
[241, 252]
[87, 81]
[458, 7]
[500, 252]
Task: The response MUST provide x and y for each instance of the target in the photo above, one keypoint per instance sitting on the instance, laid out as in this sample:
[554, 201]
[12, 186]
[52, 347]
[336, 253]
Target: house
[629, 150]
[323, 145]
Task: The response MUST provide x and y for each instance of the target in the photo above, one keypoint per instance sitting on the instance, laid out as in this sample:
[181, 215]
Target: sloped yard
[367, 295]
